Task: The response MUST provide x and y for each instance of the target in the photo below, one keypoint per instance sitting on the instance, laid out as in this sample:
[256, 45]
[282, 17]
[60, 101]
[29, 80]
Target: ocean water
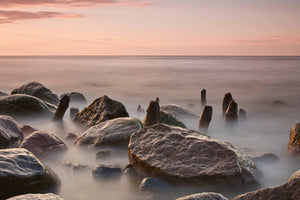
[255, 83]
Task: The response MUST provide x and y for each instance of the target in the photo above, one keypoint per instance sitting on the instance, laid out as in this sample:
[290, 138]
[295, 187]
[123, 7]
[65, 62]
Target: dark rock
[75, 97]
[37, 90]
[106, 171]
[204, 196]
[184, 155]
[10, 134]
[205, 118]
[279, 103]
[112, 132]
[27, 130]
[20, 105]
[61, 108]
[179, 112]
[167, 118]
[226, 101]
[232, 112]
[43, 144]
[153, 184]
[288, 191]
[140, 109]
[130, 171]
[105, 153]
[266, 158]
[71, 136]
[242, 114]
[153, 113]
[76, 167]
[48, 196]
[100, 110]
[21, 172]
[2, 94]
[294, 142]
[73, 112]
[203, 97]
[157, 100]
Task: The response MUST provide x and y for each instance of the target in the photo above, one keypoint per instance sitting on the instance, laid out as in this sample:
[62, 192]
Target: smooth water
[255, 83]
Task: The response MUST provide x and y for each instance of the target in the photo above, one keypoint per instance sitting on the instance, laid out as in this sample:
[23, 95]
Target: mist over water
[255, 83]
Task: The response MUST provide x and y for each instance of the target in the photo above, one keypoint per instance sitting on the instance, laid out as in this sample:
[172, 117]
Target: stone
[130, 172]
[203, 97]
[269, 158]
[279, 103]
[112, 132]
[167, 118]
[100, 110]
[157, 100]
[21, 172]
[10, 134]
[2, 94]
[71, 136]
[179, 112]
[232, 112]
[48, 196]
[205, 118]
[61, 108]
[37, 90]
[140, 110]
[105, 153]
[75, 167]
[242, 114]
[27, 130]
[226, 101]
[20, 105]
[183, 155]
[43, 144]
[75, 97]
[73, 112]
[204, 196]
[287, 191]
[153, 184]
[107, 171]
[153, 113]
[294, 142]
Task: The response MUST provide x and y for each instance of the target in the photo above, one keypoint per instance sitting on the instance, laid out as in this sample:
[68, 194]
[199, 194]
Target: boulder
[232, 112]
[37, 90]
[105, 153]
[167, 118]
[112, 132]
[204, 196]
[153, 113]
[205, 118]
[179, 112]
[75, 97]
[73, 112]
[10, 134]
[71, 136]
[2, 94]
[20, 105]
[21, 172]
[288, 191]
[178, 154]
[43, 144]
[269, 158]
[130, 172]
[75, 167]
[203, 97]
[153, 184]
[48, 196]
[106, 171]
[226, 101]
[27, 130]
[242, 114]
[100, 110]
[294, 142]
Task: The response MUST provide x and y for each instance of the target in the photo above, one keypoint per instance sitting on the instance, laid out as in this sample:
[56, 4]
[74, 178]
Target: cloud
[259, 41]
[11, 16]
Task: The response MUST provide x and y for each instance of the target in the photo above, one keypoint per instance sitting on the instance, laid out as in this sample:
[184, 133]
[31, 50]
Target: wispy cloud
[260, 41]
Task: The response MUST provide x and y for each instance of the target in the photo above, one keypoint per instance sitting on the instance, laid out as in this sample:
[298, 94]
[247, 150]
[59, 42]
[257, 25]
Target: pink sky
[149, 27]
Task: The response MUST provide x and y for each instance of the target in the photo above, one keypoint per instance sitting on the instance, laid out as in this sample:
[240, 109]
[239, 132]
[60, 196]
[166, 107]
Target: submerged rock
[294, 142]
[204, 196]
[106, 171]
[111, 132]
[184, 155]
[20, 105]
[232, 112]
[73, 112]
[226, 101]
[178, 112]
[203, 97]
[153, 184]
[37, 90]
[242, 114]
[288, 191]
[279, 103]
[167, 118]
[21, 172]
[75, 97]
[48, 196]
[43, 144]
[140, 110]
[10, 134]
[105, 153]
[71, 136]
[153, 114]
[27, 130]
[75, 166]
[61, 108]
[100, 110]
[205, 118]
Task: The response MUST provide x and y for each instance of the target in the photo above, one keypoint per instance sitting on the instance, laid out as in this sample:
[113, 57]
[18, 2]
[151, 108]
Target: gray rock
[71, 136]
[27, 130]
[106, 171]
[153, 184]
[73, 112]
[269, 158]
[294, 142]
[205, 118]
[75, 97]
[100, 110]
[130, 172]
[179, 112]
[153, 114]
[48, 196]
[226, 101]
[242, 114]
[21, 172]
[37, 90]
[111, 132]
[75, 167]
[10, 134]
[167, 118]
[2, 94]
[184, 155]
[204, 196]
[61, 108]
[105, 153]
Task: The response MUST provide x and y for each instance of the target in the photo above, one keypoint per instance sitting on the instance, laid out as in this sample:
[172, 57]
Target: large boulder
[48, 196]
[100, 110]
[167, 118]
[288, 191]
[10, 134]
[21, 172]
[43, 144]
[112, 132]
[75, 97]
[38, 90]
[294, 142]
[204, 196]
[179, 112]
[19, 105]
[184, 155]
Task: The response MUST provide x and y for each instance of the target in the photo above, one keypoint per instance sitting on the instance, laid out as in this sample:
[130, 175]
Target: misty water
[255, 83]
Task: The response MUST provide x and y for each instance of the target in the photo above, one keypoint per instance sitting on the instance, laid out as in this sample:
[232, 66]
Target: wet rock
[48, 196]
[288, 191]
[106, 171]
[27, 130]
[153, 113]
[2, 94]
[203, 97]
[179, 112]
[61, 108]
[204, 196]
[205, 118]
[76, 167]
[232, 112]
[266, 158]
[294, 142]
[242, 114]
[37, 90]
[71, 136]
[111, 132]
[226, 101]
[73, 112]
[130, 171]
[100, 110]
[105, 153]
[21, 172]
[153, 184]
[20, 105]
[43, 144]
[167, 118]
[75, 97]
[10, 134]
[157, 100]
[178, 154]
[140, 110]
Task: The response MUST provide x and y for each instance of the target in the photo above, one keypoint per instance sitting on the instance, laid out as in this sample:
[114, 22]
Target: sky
[150, 27]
